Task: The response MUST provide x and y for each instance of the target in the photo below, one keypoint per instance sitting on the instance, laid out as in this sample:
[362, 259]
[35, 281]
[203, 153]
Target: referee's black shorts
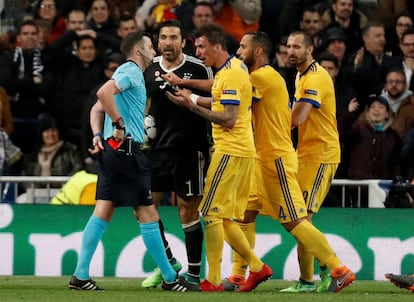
[124, 176]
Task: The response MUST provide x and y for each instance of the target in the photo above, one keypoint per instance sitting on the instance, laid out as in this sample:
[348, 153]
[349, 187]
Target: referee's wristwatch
[119, 124]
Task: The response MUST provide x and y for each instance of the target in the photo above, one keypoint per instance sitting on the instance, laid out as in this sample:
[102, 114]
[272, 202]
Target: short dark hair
[408, 31]
[397, 70]
[171, 23]
[204, 3]
[307, 38]
[309, 9]
[370, 25]
[131, 40]
[85, 37]
[125, 18]
[327, 56]
[214, 33]
[263, 40]
[30, 22]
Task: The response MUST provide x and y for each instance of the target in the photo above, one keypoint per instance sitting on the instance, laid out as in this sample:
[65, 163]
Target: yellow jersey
[272, 116]
[232, 87]
[318, 139]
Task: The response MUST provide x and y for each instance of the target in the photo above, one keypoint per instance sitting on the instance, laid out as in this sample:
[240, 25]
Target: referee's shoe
[89, 284]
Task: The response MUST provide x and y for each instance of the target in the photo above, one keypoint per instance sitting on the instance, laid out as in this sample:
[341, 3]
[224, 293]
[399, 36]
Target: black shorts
[124, 178]
[182, 172]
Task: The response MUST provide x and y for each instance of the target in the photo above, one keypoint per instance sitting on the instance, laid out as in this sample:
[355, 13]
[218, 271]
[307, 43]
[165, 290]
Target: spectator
[106, 43]
[101, 20]
[311, 23]
[51, 156]
[203, 14]
[47, 10]
[394, 34]
[124, 7]
[343, 14]
[11, 15]
[335, 43]
[400, 100]
[126, 25]
[75, 25]
[43, 34]
[374, 145]
[406, 61]
[6, 118]
[239, 16]
[76, 20]
[371, 64]
[77, 74]
[29, 83]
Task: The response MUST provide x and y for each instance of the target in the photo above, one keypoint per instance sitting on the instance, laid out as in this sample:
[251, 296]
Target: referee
[117, 120]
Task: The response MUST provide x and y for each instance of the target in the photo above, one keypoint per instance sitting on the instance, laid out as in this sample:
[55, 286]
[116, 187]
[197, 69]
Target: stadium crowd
[55, 54]
[58, 56]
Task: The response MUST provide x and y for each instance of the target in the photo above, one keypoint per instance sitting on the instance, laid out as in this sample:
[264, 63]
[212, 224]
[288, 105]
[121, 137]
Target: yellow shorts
[227, 186]
[278, 191]
[315, 180]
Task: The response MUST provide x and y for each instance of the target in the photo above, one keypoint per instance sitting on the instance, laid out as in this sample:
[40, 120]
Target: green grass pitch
[44, 289]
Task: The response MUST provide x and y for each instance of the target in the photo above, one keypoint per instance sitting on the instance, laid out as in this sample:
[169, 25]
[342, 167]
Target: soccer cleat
[402, 281]
[180, 285]
[299, 287]
[341, 277]
[325, 281]
[156, 278]
[191, 278]
[89, 284]
[233, 282]
[207, 286]
[255, 279]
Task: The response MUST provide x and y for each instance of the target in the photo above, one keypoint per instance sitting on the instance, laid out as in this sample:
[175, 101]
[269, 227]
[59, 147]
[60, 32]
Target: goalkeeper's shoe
[299, 287]
[156, 277]
[325, 281]
[402, 281]
[233, 282]
[180, 285]
[89, 284]
[341, 278]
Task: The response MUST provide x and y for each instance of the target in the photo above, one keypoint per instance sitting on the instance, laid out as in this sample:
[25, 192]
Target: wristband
[100, 134]
[194, 98]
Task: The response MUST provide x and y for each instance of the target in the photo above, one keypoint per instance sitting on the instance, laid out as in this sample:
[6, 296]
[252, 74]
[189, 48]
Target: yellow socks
[237, 240]
[239, 264]
[311, 242]
[214, 241]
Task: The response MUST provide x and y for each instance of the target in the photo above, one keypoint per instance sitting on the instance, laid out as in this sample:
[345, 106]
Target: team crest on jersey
[187, 75]
[157, 73]
[311, 92]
